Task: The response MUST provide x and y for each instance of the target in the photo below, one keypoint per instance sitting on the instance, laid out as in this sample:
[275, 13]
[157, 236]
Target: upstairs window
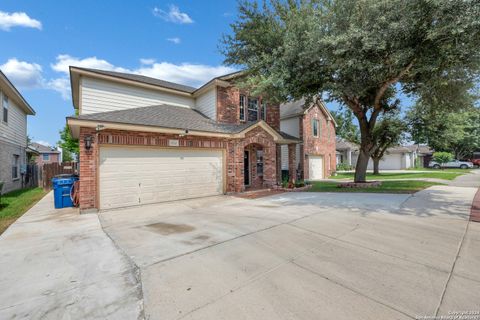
[15, 166]
[5, 108]
[242, 107]
[252, 109]
[315, 127]
[263, 111]
[46, 157]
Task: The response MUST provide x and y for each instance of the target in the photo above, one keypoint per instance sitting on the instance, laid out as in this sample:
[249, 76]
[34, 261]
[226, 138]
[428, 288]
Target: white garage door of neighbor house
[134, 176]
[315, 167]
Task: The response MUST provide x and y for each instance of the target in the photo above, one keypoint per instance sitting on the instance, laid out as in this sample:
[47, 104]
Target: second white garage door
[134, 176]
[315, 167]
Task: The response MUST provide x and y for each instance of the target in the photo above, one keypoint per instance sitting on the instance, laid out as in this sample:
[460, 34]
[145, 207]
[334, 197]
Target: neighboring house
[395, 158]
[315, 127]
[143, 140]
[345, 151]
[47, 154]
[13, 135]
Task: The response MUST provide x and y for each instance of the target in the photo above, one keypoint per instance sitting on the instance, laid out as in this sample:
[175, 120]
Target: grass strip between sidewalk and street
[439, 174]
[403, 186]
[14, 204]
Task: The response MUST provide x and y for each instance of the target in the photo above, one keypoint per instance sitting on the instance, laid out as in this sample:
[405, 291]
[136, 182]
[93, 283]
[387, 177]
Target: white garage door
[315, 167]
[133, 176]
[388, 162]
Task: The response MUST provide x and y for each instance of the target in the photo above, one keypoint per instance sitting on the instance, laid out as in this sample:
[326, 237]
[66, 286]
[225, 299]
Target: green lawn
[405, 186]
[16, 203]
[438, 174]
[442, 170]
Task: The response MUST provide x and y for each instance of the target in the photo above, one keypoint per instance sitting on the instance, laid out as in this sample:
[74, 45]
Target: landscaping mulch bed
[369, 184]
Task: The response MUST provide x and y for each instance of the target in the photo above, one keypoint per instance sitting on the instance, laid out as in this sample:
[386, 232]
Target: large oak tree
[361, 53]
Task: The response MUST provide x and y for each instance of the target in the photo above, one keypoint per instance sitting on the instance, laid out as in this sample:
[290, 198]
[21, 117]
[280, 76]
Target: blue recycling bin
[62, 186]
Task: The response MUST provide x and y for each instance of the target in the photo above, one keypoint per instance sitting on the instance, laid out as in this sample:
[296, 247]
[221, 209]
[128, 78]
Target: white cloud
[175, 40]
[173, 15]
[17, 19]
[61, 85]
[23, 74]
[147, 61]
[64, 61]
[185, 73]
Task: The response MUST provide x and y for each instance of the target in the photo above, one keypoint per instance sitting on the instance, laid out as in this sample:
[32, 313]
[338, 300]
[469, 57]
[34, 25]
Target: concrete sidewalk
[57, 264]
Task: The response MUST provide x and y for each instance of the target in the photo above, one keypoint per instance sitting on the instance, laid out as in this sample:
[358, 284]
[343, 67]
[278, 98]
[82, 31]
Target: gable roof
[143, 79]
[342, 144]
[42, 148]
[179, 119]
[12, 92]
[299, 107]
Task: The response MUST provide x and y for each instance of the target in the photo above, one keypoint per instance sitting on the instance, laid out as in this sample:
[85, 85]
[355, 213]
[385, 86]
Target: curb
[475, 210]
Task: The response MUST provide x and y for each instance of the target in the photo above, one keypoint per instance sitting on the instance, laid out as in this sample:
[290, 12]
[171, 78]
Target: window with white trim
[263, 110]
[242, 107]
[315, 127]
[15, 160]
[46, 157]
[5, 105]
[252, 109]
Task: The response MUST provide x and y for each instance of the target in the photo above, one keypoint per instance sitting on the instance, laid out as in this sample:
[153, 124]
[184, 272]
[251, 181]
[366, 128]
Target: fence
[50, 170]
[32, 176]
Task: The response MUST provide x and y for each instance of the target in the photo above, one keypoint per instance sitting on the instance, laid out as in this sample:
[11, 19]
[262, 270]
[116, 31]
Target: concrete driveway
[305, 255]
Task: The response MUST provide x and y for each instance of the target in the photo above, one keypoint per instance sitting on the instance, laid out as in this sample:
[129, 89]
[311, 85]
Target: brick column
[279, 164]
[292, 170]
[88, 170]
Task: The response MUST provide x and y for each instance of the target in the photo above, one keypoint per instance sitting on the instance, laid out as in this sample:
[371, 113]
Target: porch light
[88, 142]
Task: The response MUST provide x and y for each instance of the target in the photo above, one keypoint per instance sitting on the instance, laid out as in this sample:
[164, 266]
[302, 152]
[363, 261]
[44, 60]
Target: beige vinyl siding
[291, 126]
[207, 102]
[102, 96]
[15, 130]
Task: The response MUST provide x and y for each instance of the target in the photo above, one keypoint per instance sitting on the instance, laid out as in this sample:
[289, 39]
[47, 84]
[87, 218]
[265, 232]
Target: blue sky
[176, 41]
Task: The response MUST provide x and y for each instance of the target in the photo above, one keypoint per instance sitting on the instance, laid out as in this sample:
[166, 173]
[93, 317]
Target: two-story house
[313, 124]
[46, 154]
[13, 134]
[144, 140]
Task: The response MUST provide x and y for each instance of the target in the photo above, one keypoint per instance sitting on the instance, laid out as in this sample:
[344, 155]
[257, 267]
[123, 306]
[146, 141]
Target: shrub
[442, 157]
[343, 167]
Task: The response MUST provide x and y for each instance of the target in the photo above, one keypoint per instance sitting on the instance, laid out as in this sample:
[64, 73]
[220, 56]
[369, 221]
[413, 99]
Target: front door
[246, 167]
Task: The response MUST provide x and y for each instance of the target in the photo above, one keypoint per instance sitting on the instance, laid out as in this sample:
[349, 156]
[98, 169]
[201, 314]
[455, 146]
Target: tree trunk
[361, 168]
[376, 164]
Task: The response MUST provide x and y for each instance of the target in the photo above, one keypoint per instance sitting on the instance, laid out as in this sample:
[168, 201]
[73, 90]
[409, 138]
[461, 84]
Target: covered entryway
[315, 167]
[138, 175]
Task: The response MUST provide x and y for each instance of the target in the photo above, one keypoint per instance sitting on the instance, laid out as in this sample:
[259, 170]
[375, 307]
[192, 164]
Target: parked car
[476, 162]
[451, 164]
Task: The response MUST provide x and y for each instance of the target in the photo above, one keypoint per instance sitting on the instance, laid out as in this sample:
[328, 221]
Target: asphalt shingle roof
[168, 116]
[42, 149]
[292, 108]
[143, 79]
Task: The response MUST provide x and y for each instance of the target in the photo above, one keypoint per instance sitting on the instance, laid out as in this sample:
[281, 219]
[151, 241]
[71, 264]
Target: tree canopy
[457, 132]
[361, 54]
[68, 144]
[346, 128]
[390, 131]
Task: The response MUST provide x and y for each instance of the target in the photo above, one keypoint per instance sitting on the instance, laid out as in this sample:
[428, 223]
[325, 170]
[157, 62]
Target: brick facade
[323, 145]
[256, 139]
[54, 158]
[228, 108]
